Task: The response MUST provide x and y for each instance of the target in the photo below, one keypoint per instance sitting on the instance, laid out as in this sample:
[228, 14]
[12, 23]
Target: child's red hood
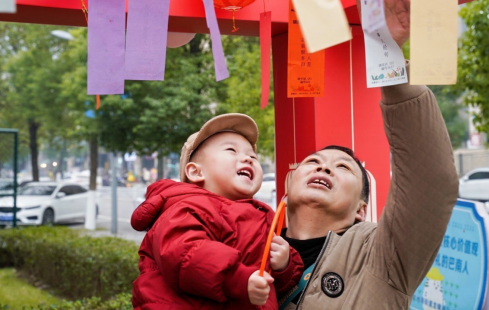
[159, 197]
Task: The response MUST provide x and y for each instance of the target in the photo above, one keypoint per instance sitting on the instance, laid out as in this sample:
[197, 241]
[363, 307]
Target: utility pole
[113, 185]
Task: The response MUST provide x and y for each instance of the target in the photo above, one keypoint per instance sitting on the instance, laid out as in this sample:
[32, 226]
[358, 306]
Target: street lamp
[62, 34]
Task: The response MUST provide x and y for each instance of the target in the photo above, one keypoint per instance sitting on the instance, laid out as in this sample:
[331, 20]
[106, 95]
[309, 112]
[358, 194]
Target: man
[363, 266]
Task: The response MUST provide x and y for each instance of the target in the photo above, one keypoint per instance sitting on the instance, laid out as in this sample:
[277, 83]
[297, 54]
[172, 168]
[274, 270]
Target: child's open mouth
[246, 173]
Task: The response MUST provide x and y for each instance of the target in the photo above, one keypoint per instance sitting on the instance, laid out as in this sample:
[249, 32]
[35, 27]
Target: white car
[475, 185]
[45, 203]
[267, 192]
[83, 178]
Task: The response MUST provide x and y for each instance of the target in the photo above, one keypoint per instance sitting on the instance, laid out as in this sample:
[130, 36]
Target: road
[127, 201]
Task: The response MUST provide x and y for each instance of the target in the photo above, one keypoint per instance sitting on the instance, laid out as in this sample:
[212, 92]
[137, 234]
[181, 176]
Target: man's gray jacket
[379, 266]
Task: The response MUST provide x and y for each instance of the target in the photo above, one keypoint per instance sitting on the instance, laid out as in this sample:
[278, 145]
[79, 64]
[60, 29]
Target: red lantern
[232, 5]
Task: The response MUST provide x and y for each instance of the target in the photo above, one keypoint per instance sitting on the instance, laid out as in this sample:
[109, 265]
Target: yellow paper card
[323, 23]
[434, 42]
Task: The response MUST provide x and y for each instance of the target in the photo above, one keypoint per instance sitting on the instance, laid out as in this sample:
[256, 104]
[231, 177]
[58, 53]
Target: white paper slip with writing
[7, 6]
[374, 15]
[434, 33]
[384, 58]
[323, 23]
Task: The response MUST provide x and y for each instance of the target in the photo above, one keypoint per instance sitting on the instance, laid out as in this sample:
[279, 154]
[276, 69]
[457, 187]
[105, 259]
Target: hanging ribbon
[85, 12]
[106, 47]
[217, 51]
[265, 44]
[147, 31]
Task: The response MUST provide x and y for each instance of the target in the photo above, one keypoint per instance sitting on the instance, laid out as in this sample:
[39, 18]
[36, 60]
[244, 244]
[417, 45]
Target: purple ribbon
[147, 31]
[106, 40]
[217, 51]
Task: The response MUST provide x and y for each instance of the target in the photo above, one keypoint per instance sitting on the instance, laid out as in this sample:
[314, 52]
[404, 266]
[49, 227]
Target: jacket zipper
[314, 269]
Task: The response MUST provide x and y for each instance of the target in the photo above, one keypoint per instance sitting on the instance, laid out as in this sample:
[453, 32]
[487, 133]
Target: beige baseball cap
[233, 122]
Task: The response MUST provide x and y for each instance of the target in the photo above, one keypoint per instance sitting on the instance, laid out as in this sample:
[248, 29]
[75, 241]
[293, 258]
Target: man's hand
[397, 17]
[279, 254]
[259, 288]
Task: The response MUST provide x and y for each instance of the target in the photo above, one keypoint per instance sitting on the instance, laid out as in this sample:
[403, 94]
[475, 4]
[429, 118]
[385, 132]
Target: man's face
[230, 166]
[330, 180]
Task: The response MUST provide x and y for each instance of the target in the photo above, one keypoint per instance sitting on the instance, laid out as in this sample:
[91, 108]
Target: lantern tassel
[85, 10]
[234, 22]
[98, 101]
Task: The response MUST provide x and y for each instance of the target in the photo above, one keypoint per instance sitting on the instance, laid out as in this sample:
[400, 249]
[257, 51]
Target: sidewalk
[124, 229]
[127, 200]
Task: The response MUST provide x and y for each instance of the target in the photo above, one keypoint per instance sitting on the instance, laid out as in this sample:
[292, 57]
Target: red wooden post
[348, 115]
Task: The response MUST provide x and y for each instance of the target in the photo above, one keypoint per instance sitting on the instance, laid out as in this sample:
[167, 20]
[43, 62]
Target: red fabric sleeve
[146, 213]
[187, 252]
[286, 279]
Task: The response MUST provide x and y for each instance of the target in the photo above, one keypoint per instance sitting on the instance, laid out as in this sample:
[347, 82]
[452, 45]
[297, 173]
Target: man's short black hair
[366, 184]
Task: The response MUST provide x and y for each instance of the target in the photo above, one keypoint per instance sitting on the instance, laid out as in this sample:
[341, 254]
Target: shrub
[74, 266]
[119, 302]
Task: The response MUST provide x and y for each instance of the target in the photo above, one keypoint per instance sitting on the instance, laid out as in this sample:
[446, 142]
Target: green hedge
[74, 266]
[119, 302]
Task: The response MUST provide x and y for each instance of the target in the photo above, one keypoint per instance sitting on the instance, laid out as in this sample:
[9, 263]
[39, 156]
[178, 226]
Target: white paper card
[384, 58]
[7, 6]
[374, 15]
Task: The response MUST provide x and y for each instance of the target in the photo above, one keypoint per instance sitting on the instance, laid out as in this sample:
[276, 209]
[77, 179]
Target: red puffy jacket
[201, 249]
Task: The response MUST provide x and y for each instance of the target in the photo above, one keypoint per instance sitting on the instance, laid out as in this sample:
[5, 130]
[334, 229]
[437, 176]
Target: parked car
[45, 203]
[6, 187]
[475, 185]
[267, 192]
[83, 178]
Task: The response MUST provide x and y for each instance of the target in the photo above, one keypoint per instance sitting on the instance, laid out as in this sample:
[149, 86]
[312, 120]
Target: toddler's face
[230, 166]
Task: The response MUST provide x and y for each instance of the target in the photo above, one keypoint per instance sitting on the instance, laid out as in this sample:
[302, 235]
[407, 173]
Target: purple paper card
[147, 30]
[217, 51]
[106, 46]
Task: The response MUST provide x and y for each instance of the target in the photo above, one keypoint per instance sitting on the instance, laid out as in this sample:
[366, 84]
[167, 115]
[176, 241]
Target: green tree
[31, 71]
[450, 109]
[6, 150]
[473, 61]
[448, 101]
[243, 89]
[152, 115]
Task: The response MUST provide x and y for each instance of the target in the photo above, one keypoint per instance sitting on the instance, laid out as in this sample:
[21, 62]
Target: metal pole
[113, 184]
[461, 164]
[161, 165]
[16, 146]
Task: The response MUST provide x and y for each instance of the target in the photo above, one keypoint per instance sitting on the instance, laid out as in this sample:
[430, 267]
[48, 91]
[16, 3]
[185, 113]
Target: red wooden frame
[185, 15]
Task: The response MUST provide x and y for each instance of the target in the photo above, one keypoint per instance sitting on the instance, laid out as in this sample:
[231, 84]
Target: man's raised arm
[423, 189]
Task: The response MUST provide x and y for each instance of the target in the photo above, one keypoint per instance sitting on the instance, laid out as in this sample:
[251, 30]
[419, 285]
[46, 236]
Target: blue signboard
[457, 279]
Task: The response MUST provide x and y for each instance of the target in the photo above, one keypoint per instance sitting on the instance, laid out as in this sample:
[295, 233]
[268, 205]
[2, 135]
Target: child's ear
[194, 173]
